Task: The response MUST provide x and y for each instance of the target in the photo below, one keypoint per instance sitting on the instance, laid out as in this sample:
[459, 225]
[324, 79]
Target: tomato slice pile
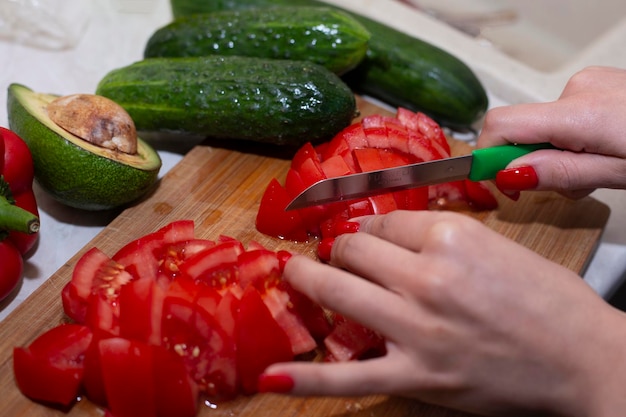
[170, 319]
[376, 142]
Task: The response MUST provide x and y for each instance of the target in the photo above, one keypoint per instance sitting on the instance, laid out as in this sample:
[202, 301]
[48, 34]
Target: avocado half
[75, 172]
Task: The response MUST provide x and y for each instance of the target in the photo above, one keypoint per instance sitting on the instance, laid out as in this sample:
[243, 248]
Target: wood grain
[220, 189]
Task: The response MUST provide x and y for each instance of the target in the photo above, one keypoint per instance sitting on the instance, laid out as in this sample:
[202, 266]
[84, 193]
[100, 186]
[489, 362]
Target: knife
[481, 164]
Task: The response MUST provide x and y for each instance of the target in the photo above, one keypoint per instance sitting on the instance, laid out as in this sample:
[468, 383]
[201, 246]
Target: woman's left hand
[471, 319]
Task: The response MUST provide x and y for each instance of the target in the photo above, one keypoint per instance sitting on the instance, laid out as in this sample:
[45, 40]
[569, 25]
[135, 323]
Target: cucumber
[398, 69]
[283, 102]
[326, 36]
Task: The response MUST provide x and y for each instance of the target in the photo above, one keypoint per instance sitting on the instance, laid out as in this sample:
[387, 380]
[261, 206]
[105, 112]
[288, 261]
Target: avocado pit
[95, 119]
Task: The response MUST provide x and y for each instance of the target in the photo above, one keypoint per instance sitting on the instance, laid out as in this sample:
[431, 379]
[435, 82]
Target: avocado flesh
[74, 171]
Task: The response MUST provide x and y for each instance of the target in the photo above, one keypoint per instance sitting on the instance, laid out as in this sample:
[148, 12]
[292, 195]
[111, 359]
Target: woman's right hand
[588, 122]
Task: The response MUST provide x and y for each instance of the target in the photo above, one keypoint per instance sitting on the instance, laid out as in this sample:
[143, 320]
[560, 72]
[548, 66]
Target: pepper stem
[14, 218]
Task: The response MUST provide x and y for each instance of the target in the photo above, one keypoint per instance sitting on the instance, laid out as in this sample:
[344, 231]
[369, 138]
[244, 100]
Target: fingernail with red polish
[517, 179]
[347, 226]
[279, 384]
[324, 248]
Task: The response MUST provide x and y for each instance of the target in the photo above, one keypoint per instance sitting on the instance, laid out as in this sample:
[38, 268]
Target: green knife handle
[487, 162]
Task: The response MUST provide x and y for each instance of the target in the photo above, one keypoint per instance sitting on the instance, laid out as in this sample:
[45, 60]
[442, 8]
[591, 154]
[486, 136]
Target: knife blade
[480, 164]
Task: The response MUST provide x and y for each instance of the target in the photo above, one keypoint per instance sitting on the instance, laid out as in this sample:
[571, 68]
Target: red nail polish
[324, 248]
[517, 179]
[342, 227]
[279, 384]
[283, 256]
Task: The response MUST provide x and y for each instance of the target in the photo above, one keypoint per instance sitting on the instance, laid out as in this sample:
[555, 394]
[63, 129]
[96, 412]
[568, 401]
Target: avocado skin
[71, 174]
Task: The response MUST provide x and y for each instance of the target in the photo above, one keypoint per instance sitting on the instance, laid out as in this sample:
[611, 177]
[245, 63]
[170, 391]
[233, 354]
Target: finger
[376, 259]
[577, 172]
[363, 301]
[564, 123]
[407, 229]
[354, 378]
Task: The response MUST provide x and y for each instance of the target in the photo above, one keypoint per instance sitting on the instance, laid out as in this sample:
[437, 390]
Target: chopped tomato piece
[140, 257]
[176, 394]
[226, 252]
[335, 166]
[376, 142]
[307, 151]
[259, 268]
[310, 313]
[127, 373]
[51, 369]
[278, 302]
[207, 319]
[260, 340]
[198, 338]
[141, 308]
[311, 171]
[480, 196]
[351, 340]
[273, 220]
[94, 273]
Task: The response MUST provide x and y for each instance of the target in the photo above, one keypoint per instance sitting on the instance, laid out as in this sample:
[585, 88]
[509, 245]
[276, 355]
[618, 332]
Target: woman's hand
[588, 121]
[471, 320]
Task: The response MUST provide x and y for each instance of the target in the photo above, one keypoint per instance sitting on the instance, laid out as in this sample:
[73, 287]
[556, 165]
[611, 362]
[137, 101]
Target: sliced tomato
[480, 196]
[172, 256]
[260, 340]
[207, 351]
[335, 166]
[310, 313]
[273, 220]
[376, 142]
[259, 268]
[93, 384]
[311, 171]
[94, 273]
[419, 122]
[102, 315]
[369, 159]
[141, 309]
[198, 266]
[175, 393]
[127, 374]
[140, 257]
[279, 304]
[350, 340]
[306, 151]
[51, 369]
[91, 295]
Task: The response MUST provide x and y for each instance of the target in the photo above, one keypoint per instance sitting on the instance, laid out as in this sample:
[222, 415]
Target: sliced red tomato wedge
[206, 319]
[350, 340]
[376, 142]
[141, 257]
[51, 369]
[127, 372]
[93, 290]
[207, 350]
[260, 340]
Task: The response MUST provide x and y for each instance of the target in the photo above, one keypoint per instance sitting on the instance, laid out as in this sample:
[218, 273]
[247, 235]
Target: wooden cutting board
[220, 189]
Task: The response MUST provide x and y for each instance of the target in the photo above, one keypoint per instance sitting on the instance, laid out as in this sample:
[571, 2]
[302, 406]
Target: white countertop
[114, 36]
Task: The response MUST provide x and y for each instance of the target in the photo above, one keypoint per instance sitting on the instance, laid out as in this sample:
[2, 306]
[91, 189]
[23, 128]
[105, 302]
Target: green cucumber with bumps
[322, 35]
[398, 69]
[283, 102]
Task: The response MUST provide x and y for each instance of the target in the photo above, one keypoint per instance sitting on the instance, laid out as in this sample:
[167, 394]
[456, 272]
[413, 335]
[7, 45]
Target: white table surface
[114, 36]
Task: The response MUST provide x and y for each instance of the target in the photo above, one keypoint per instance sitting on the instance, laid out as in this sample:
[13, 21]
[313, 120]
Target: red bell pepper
[19, 216]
